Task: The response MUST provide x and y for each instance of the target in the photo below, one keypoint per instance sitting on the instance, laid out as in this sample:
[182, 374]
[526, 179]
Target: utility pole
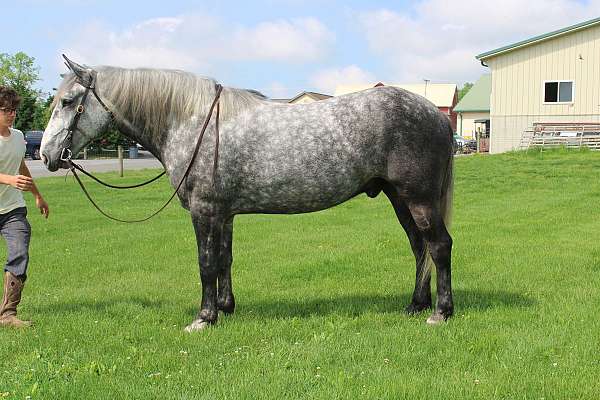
[426, 82]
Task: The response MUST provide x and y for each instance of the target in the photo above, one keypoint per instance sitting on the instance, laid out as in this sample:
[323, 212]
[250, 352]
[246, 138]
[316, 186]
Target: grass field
[319, 297]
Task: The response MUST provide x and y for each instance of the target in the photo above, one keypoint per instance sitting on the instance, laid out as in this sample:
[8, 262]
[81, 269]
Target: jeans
[15, 229]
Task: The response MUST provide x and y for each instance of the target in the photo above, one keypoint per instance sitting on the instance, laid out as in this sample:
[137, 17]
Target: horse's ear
[72, 65]
[84, 74]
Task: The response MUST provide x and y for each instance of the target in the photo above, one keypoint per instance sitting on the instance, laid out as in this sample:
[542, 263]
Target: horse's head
[78, 117]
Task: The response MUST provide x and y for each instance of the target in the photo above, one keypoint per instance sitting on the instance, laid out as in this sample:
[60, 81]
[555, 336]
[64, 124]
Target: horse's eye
[67, 102]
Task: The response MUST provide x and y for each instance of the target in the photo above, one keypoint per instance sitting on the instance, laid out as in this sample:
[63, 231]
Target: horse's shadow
[356, 305]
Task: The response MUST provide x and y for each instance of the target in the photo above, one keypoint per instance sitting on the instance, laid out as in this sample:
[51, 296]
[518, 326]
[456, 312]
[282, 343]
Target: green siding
[478, 98]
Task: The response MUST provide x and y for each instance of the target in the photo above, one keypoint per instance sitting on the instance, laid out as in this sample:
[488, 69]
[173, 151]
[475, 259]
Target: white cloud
[201, 42]
[327, 80]
[147, 44]
[439, 40]
[301, 40]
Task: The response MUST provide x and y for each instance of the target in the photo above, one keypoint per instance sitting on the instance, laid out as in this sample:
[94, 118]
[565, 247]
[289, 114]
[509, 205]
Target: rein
[66, 153]
[83, 171]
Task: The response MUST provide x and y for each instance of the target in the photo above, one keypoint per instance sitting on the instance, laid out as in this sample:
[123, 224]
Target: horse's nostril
[44, 159]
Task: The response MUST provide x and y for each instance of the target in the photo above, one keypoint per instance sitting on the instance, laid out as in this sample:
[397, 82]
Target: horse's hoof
[226, 305]
[197, 325]
[415, 308]
[436, 319]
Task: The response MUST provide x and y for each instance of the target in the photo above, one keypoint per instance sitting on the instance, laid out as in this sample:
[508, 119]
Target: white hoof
[436, 319]
[197, 325]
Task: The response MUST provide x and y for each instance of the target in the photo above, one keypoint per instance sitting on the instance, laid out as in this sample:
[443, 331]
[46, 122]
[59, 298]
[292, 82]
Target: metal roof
[313, 95]
[540, 38]
[478, 98]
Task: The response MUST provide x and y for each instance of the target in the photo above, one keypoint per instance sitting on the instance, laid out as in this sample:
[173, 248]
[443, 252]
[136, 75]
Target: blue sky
[283, 47]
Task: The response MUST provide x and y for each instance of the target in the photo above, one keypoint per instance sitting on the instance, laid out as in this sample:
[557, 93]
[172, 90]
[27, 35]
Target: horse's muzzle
[53, 166]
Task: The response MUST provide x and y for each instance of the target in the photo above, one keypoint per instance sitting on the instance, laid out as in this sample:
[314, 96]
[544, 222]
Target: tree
[464, 90]
[43, 113]
[19, 72]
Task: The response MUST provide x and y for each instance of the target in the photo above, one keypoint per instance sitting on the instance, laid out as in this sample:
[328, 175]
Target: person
[15, 178]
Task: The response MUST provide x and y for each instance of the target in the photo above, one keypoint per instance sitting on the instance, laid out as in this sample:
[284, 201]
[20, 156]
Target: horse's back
[382, 116]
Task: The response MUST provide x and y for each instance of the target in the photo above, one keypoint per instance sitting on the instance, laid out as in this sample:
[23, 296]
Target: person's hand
[22, 182]
[41, 204]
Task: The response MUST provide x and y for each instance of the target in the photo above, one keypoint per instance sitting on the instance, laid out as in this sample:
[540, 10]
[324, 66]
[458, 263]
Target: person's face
[7, 115]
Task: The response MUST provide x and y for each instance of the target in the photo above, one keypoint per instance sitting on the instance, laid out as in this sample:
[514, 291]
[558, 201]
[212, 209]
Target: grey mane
[151, 99]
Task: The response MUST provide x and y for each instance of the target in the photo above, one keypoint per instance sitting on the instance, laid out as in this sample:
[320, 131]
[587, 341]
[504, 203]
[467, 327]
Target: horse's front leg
[209, 231]
[225, 299]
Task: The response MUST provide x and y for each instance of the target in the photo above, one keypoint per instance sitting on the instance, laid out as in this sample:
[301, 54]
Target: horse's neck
[164, 145]
[137, 134]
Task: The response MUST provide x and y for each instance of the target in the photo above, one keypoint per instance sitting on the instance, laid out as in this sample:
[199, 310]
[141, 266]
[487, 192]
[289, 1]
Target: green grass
[320, 297]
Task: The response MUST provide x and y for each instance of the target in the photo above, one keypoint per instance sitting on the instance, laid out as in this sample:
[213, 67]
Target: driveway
[38, 169]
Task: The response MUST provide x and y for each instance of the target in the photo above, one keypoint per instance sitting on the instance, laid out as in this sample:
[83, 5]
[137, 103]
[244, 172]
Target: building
[473, 110]
[443, 95]
[553, 78]
[305, 97]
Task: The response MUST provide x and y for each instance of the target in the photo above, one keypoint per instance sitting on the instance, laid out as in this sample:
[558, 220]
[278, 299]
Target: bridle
[90, 86]
[66, 153]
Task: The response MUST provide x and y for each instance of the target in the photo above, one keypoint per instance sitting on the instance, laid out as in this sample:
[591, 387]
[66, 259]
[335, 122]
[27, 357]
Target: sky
[282, 47]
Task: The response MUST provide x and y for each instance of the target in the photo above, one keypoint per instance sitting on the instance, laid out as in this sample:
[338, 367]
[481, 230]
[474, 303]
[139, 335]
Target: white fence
[546, 135]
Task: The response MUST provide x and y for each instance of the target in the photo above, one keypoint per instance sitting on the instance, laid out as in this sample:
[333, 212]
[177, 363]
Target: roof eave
[537, 39]
[464, 111]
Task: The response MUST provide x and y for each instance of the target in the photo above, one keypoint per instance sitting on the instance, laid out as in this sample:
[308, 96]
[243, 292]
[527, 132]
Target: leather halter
[66, 153]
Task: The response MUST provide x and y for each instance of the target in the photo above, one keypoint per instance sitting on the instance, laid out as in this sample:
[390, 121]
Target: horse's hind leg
[431, 224]
[225, 299]
[421, 298]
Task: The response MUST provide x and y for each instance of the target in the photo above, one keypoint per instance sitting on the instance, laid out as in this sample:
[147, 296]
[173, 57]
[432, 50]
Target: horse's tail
[448, 194]
[445, 209]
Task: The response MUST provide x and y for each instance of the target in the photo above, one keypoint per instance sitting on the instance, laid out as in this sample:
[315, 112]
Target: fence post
[85, 153]
[543, 143]
[120, 151]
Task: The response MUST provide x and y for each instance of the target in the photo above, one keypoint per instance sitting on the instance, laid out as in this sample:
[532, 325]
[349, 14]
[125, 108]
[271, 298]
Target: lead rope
[72, 166]
[83, 171]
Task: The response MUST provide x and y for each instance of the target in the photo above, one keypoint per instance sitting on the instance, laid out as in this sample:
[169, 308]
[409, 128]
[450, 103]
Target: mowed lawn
[320, 297]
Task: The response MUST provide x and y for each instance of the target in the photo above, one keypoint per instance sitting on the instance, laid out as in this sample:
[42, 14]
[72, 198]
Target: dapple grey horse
[273, 158]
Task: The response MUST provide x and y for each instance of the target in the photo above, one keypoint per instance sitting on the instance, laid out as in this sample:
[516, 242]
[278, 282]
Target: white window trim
[558, 93]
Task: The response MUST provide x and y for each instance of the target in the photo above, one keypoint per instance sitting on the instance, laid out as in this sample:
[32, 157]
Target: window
[558, 92]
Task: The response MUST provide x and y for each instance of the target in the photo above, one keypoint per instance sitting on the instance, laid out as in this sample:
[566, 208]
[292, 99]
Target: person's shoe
[13, 286]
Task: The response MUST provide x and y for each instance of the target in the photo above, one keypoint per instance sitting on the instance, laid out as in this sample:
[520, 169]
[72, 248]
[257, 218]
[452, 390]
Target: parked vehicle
[462, 145]
[33, 140]
[471, 145]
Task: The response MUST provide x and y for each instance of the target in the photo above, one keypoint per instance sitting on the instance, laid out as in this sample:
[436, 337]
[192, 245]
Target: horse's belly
[294, 195]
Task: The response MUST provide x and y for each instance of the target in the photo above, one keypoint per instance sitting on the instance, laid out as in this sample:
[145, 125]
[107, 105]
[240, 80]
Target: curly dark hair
[9, 98]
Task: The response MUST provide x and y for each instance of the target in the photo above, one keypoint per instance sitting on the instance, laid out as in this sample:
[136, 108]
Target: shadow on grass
[350, 305]
[105, 305]
[355, 305]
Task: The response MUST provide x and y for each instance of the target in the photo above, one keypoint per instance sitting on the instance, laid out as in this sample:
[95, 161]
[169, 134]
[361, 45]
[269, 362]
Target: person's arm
[21, 182]
[40, 203]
